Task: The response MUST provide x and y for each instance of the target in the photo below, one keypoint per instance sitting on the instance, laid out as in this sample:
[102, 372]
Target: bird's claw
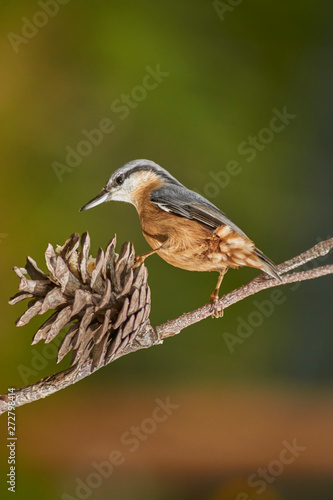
[139, 259]
[217, 309]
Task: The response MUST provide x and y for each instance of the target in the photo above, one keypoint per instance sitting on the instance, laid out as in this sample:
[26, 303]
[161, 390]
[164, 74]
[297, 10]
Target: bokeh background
[225, 68]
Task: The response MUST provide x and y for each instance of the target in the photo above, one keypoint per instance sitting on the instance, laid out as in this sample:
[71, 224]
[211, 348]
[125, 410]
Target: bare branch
[171, 328]
[150, 336]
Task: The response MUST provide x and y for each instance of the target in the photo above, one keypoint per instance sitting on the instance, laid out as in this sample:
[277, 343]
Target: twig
[153, 336]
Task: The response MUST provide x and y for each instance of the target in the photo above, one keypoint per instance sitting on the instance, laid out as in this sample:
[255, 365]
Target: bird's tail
[267, 265]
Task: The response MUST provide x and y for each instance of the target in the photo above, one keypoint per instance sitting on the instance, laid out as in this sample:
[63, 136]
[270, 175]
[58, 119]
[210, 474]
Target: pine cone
[104, 301]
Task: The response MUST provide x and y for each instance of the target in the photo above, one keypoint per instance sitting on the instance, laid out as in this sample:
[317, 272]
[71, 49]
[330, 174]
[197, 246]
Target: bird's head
[126, 183]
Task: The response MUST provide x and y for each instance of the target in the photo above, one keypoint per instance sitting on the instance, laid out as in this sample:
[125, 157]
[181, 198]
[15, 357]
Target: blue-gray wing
[181, 201]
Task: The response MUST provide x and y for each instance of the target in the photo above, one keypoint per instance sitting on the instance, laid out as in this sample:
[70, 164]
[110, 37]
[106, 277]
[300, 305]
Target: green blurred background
[223, 76]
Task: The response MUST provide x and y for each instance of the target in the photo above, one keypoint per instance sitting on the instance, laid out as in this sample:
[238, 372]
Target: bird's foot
[139, 259]
[217, 310]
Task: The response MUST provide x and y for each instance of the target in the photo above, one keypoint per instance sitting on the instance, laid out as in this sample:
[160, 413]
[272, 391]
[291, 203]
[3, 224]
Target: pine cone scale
[59, 323]
[44, 329]
[31, 312]
[53, 299]
[18, 297]
[33, 270]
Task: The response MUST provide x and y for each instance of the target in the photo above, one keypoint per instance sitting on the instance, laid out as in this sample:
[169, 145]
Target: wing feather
[180, 201]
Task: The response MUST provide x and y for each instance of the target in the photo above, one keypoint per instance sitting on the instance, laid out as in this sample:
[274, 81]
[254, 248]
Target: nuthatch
[181, 226]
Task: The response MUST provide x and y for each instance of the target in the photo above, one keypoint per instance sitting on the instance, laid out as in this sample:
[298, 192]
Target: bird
[181, 226]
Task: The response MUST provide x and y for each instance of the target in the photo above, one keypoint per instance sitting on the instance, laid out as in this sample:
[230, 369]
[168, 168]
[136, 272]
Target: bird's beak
[101, 198]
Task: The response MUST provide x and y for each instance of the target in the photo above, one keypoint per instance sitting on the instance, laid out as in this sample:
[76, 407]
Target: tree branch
[151, 336]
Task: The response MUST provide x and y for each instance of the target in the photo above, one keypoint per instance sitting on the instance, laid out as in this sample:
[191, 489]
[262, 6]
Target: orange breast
[184, 241]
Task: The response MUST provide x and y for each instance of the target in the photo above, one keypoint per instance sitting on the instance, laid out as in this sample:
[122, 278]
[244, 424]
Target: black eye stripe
[120, 179]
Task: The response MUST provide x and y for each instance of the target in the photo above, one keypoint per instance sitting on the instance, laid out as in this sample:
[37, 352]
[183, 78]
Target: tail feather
[268, 266]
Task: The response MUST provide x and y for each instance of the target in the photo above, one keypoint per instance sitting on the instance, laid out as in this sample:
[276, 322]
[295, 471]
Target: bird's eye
[119, 180]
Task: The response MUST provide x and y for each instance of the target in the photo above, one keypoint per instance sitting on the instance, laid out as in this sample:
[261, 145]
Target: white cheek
[123, 196]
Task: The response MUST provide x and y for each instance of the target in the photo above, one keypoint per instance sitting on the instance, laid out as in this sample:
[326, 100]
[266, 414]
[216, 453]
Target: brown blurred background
[226, 69]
